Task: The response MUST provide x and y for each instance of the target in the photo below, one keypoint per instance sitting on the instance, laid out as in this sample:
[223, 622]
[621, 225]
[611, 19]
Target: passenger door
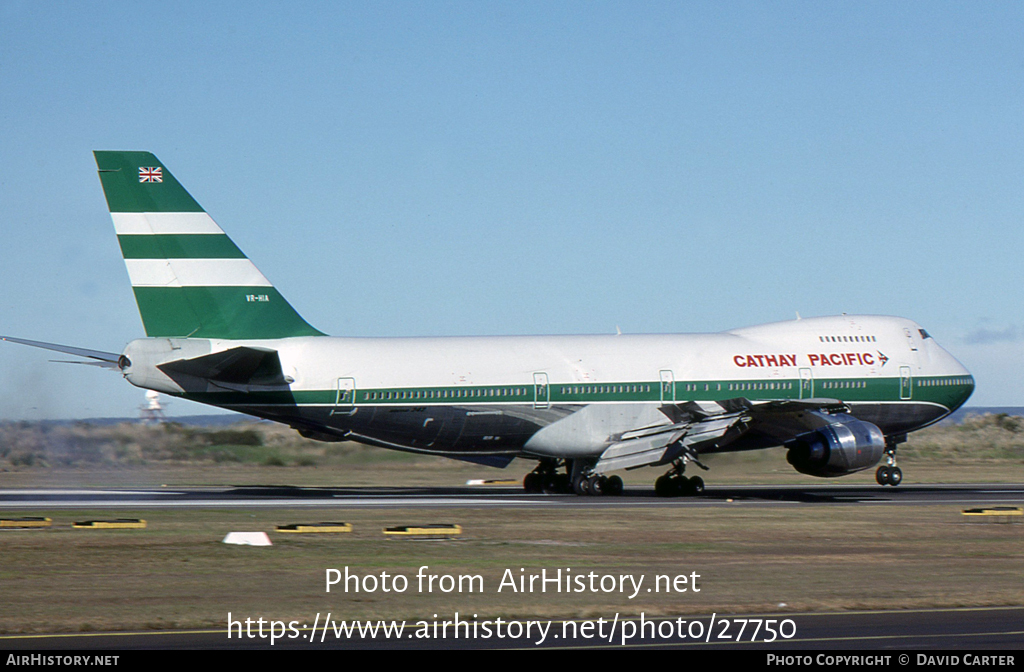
[906, 383]
[806, 384]
[668, 387]
[541, 391]
[345, 399]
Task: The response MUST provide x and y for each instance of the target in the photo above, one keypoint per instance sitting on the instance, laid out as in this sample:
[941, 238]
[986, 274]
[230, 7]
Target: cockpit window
[924, 334]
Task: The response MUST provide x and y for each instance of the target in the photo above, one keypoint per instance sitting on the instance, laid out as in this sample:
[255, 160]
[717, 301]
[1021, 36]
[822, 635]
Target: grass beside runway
[178, 574]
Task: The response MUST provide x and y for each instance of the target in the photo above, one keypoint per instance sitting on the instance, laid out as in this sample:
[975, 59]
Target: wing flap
[637, 452]
[652, 448]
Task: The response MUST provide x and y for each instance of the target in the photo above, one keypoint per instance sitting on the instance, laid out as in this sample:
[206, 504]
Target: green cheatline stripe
[179, 246]
[226, 312]
[884, 389]
[119, 174]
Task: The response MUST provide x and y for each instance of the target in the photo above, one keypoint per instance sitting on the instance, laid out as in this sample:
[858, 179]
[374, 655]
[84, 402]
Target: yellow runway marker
[24, 523]
[315, 528]
[119, 524]
[1000, 514]
[439, 530]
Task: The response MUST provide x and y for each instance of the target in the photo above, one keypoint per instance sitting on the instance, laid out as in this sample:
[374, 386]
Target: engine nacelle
[838, 449]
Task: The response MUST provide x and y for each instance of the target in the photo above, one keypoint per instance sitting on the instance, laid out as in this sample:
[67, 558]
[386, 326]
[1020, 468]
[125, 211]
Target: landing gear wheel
[556, 484]
[890, 474]
[614, 486]
[598, 485]
[581, 485]
[688, 487]
[664, 486]
[533, 482]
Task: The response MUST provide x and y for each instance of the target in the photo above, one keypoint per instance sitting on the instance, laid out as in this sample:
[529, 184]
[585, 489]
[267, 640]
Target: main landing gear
[889, 473]
[597, 485]
[576, 479]
[545, 478]
[675, 484]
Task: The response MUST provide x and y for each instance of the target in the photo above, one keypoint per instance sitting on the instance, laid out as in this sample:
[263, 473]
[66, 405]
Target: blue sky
[402, 169]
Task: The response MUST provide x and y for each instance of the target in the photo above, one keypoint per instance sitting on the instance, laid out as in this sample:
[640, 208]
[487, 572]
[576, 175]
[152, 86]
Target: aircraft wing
[107, 360]
[699, 425]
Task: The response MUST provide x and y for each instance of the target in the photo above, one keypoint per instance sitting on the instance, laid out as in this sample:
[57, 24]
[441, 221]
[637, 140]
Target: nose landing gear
[889, 473]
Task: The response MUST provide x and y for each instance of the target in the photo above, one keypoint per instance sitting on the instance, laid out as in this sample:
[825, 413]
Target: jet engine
[841, 448]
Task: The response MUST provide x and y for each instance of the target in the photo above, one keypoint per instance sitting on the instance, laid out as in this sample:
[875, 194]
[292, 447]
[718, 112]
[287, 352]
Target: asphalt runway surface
[974, 629]
[283, 496]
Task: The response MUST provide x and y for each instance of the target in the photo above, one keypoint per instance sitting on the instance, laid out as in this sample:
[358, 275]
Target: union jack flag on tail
[151, 174]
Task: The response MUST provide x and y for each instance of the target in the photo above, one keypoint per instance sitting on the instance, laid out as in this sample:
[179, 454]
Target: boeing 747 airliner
[839, 393]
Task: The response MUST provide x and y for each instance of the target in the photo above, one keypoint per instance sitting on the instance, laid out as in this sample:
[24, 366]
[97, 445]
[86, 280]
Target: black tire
[895, 476]
[598, 485]
[696, 485]
[581, 486]
[664, 487]
[882, 475]
[614, 486]
[533, 482]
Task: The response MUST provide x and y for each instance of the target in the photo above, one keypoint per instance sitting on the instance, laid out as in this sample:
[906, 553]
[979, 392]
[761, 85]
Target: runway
[899, 629]
[973, 629]
[283, 496]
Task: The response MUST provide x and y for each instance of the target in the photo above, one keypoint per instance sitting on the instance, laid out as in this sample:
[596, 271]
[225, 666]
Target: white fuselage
[406, 392]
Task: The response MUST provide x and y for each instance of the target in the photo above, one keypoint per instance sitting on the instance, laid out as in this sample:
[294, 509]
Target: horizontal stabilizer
[107, 360]
[237, 366]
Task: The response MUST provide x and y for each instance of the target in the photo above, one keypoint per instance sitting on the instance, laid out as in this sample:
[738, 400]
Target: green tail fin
[189, 279]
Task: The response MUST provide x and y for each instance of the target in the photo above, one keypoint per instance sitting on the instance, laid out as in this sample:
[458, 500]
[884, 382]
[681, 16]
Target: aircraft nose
[961, 374]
